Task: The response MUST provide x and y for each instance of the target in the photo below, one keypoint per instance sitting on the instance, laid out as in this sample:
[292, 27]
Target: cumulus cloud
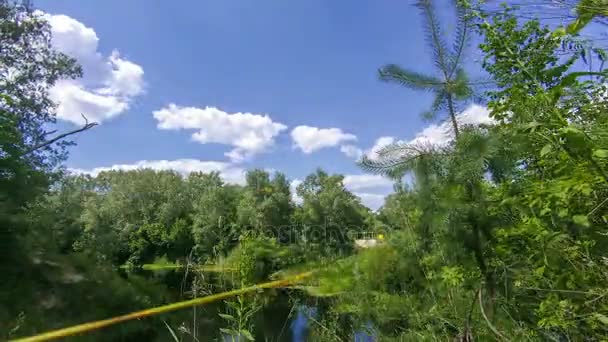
[356, 153]
[110, 83]
[249, 133]
[360, 182]
[371, 189]
[229, 172]
[371, 200]
[310, 139]
[380, 143]
[437, 134]
[441, 134]
[351, 151]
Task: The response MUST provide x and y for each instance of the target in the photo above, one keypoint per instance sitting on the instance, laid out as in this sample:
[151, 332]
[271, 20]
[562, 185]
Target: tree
[57, 216]
[29, 66]
[329, 213]
[266, 204]
[452, 85]
[214, 215]
[424, 160]
[134, 215]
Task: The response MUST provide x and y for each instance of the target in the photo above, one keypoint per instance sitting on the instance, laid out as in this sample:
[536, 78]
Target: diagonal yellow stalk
[87, 327]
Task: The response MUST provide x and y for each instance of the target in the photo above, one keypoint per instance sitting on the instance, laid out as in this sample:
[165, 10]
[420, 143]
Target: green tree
[59, 213]
[266, 205]
[29, 67]
[134, 214]
[452, 85]
[329, 213]
[214, 214]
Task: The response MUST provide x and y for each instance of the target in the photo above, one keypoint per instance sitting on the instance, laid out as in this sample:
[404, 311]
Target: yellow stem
[87, 327]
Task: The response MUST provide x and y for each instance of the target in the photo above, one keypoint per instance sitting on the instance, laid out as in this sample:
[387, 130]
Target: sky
[232, 85]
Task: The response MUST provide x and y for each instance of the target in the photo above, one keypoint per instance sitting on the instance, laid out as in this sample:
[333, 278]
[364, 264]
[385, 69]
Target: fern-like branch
[396, 159]
[410, 79]
[438, 45]
[460, 41]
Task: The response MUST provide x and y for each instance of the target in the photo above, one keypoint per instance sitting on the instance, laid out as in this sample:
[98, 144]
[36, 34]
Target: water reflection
[276, 321]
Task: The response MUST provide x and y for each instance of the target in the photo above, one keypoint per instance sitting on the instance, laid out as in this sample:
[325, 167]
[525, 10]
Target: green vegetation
[502, 235]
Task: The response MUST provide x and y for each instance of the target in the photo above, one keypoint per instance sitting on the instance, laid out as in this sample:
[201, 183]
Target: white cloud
[370, 200]
[351, 151]
[380, 143]
[371, 189]
[309, 139]
[292, 187]
[248, 133]
[109, 83]
[443, 133]
[365, 181]
[74, 99]
[375, 189]
[438, 134]
[228, 172]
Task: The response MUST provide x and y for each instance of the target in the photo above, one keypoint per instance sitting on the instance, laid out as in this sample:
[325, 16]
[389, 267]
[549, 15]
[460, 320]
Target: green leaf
[603, 319]
[559, 32]
[601, 153]
[230, 332]
[540, 271]
[7, 99]
[574, 137]
[532, 126]
[227, 317]
[247, 335]
[546, 149]
[582, 220]
[172, 332]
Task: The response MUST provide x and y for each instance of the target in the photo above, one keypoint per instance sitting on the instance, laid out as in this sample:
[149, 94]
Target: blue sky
[300, 63]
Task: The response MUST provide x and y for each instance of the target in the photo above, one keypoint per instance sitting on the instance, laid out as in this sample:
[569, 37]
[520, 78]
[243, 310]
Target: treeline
[135, 217]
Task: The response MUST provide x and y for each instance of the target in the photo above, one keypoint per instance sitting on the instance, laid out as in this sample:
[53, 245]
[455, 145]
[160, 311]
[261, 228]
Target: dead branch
[86, 126]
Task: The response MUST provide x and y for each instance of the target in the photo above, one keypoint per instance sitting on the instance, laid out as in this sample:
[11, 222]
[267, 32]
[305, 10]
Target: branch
[468, 336]
[483, 313]
[462, 38]
[86, 126]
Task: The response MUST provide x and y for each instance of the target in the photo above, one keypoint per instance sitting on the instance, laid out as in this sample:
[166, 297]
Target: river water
[285, 316]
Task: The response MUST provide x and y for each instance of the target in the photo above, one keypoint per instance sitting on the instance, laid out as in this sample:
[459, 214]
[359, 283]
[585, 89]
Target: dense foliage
[502, 235]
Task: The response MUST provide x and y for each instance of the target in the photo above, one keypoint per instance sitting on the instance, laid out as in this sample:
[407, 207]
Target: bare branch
[86, 126]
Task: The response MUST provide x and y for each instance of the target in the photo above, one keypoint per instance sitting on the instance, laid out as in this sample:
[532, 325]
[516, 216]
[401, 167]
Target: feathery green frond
[396, 159]
[433, 31]
[460, 40]
[410, 79]
[460, 87]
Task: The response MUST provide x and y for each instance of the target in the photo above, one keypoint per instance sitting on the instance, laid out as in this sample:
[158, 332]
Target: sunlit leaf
[546, 149]
[601, 153]
[582, 220]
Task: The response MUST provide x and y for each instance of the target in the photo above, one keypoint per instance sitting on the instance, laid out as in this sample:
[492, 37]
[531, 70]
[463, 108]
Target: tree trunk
[452, 114]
